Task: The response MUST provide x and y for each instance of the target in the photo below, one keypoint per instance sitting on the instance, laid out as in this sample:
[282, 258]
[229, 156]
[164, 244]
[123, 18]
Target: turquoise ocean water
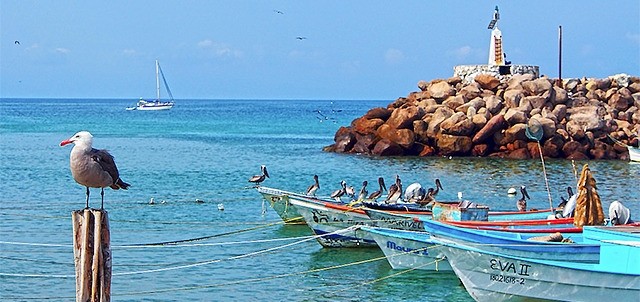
[207, 149]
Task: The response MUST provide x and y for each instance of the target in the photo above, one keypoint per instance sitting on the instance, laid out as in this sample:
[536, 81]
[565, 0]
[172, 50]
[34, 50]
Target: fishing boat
[496, 276]
[634, 153]
[408, 249]
[279, 201]
[156, 104]
[329, 219]
[549, 244]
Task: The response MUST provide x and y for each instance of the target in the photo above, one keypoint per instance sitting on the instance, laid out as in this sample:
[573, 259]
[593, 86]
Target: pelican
[428, 199]
[338, 193]
[350, 191]
[257, 179]
[363, 192]
[415, 192]
[301, 38]
[438, 187]
[311, 190]
[395, 191]
[522, 203]
[375, 195]
[278, 12]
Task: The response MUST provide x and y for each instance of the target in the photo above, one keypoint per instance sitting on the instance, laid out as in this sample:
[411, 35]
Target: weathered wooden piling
[92, 255]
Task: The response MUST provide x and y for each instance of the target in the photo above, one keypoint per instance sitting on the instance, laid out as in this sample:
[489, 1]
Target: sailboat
[156, 104]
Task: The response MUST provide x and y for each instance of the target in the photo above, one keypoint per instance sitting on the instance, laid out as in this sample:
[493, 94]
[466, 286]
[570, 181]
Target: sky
[247, 49]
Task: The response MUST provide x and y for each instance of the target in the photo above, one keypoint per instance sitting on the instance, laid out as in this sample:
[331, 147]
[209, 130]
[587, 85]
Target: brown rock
[521, 153]
[454, 101]
[480, 150]
[441, 90]
[560, 111]
[535, 101]
[476, 104]
[402, 118]
[572, 147]
[487, 81]
[453, 145]
[577, 156]
[470, 91]
[514, 116]
[516, 80]
[512, 98]
[427, 151]
[438, 117]
[364, 125]
[379, 113]
[403, 137]
[493, 104]
[423, 85]
[537, 86]
[495, 124]
[385, 147]
[513, 133]
[619, 102]
[364, 144]
[344, 141]
[479, 120]
[453, 81]
[561, 95]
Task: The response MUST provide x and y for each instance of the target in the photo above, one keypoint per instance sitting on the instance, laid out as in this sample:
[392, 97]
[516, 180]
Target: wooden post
[92, 255]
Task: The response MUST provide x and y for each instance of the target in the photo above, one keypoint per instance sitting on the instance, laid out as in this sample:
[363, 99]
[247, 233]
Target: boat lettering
[394, 246]
[510, 267]
[405, 224]
[506, 279]
[275, 198]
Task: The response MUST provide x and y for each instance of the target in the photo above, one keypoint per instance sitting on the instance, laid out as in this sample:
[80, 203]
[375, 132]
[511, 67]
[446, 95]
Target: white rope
[36, 244]
[210, 244]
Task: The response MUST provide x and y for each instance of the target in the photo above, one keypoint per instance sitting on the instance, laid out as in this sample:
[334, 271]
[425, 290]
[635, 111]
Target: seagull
[257, 179]
[395, 191]
[311, 190]
[220, 207]
[522, 203]
[375, 195]
[16, 42]
[92, 168]
[338, 193]
[363, 192]
[301, 38]
[278, 12]
[152, 201]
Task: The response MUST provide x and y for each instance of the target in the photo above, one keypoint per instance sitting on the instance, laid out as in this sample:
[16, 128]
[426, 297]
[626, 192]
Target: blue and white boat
[497, 276]
[408, 249]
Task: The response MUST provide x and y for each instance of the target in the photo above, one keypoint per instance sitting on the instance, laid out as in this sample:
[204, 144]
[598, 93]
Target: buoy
[460, 195]
[220, 207]
[199, 200]
[152, 201]
[512, 191]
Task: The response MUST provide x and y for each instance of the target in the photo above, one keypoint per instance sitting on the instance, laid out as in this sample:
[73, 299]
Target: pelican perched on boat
[350, 191]
[376, 194]
[415, 192]
[427, 199]
[522, 203]
[257, 179]
[395, 191]
[338, 193]
[362, 195]
[311, 190]
[438, 187]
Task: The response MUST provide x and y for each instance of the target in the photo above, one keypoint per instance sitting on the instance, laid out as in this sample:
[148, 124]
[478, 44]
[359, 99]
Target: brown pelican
[428, 198]
[375, 195]
[338, 193]
[522, 203]
[91, 167]
[363, 192]
[395, 191]
[257, 179]
[350, 191]
[438, 187]
[311, 190]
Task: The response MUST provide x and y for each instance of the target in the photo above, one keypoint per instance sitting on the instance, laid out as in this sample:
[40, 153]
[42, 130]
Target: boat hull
[279, 202]
[634, 153]
[409, 250]
[330, 223]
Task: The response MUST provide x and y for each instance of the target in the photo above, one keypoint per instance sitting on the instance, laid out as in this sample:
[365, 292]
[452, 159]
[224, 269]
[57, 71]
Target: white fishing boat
[279, 201]
[156, 104]
[492, 276]
[408, 249]
[634, 153]
[328, 219]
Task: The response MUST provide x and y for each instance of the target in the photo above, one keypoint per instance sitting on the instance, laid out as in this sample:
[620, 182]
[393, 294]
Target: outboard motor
[619, 214]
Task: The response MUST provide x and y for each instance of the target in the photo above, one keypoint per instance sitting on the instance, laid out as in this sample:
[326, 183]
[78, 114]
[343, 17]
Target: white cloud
[463, 52]
[62, 50]
[635, 38]
[219, 49]
[393, 56]
[129, 52]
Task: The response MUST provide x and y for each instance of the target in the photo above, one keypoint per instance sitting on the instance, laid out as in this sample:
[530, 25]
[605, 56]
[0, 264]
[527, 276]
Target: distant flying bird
[257, 179]
[91, 167]
[17, 42]
[278, 12]
[301, 38]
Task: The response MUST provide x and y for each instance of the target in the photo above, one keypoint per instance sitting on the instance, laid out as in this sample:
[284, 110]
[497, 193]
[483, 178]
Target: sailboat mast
[157, 81]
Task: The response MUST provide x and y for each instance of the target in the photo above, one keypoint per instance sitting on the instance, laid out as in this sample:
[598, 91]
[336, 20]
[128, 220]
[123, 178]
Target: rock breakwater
[489, 117]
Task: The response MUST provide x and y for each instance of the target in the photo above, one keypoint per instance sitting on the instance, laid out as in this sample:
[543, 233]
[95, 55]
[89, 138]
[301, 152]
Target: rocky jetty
[489, 117]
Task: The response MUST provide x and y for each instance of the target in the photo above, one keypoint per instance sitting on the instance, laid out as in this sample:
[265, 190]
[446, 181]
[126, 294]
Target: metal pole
[560, 55]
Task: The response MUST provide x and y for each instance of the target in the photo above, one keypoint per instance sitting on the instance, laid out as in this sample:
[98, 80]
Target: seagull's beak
[65, 142]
